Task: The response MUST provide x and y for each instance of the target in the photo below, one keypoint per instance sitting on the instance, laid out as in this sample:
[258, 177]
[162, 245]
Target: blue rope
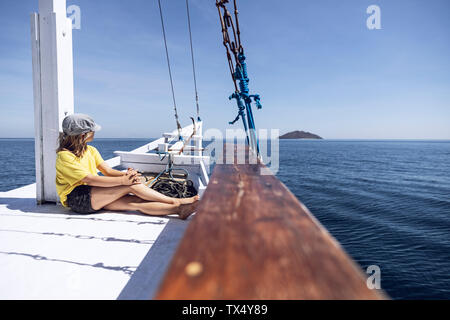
[242, 76]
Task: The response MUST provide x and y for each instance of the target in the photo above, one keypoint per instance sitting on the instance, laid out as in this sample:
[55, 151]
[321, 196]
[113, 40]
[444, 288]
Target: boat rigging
[238, 69]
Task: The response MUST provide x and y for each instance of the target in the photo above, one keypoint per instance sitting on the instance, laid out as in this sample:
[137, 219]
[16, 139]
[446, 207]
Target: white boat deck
[50, 252]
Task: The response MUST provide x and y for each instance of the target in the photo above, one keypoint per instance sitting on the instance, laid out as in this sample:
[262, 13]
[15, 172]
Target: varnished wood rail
[252, 239]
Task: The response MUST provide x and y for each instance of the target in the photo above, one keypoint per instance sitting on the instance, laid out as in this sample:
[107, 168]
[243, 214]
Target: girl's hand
[130, 178]
[132, 171]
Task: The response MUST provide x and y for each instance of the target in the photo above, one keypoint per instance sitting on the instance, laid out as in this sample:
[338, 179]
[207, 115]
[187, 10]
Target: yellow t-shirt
[70, 170]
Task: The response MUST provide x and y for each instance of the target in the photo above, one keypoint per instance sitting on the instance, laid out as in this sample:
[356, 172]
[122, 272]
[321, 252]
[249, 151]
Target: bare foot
[187, 209]
[189, 200]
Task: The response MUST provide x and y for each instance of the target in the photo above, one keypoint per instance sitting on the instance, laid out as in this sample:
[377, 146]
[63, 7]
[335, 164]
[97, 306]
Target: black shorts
[79, 200]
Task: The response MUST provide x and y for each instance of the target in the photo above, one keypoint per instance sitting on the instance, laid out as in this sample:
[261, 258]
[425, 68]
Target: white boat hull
[192, 160]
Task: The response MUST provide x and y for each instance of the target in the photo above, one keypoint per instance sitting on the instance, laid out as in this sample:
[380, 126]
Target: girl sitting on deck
[84, 191]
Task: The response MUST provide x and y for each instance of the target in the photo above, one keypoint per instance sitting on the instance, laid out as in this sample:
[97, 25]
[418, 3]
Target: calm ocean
[386, 202]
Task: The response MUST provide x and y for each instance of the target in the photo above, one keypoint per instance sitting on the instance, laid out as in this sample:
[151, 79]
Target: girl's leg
[146, 193]
[102, 196]
[133, 203]
[126, 203]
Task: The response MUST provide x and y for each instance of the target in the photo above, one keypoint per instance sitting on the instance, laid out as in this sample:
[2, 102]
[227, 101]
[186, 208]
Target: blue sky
[315, 64]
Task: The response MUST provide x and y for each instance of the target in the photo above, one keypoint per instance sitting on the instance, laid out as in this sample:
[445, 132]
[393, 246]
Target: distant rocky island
[300, 135]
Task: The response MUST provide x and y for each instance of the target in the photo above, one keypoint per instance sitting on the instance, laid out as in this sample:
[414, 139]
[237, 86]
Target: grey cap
[79, 123]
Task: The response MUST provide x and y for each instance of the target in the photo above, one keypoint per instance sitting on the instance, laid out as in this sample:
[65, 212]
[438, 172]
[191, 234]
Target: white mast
[51, 37]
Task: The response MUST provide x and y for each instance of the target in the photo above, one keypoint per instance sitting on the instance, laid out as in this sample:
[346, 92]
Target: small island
[300, 135]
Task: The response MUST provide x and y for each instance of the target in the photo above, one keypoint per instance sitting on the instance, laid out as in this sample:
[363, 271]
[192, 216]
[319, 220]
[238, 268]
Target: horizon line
[387, 139]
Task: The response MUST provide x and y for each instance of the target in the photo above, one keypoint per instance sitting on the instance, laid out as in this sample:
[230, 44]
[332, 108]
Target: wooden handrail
[252, 239]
